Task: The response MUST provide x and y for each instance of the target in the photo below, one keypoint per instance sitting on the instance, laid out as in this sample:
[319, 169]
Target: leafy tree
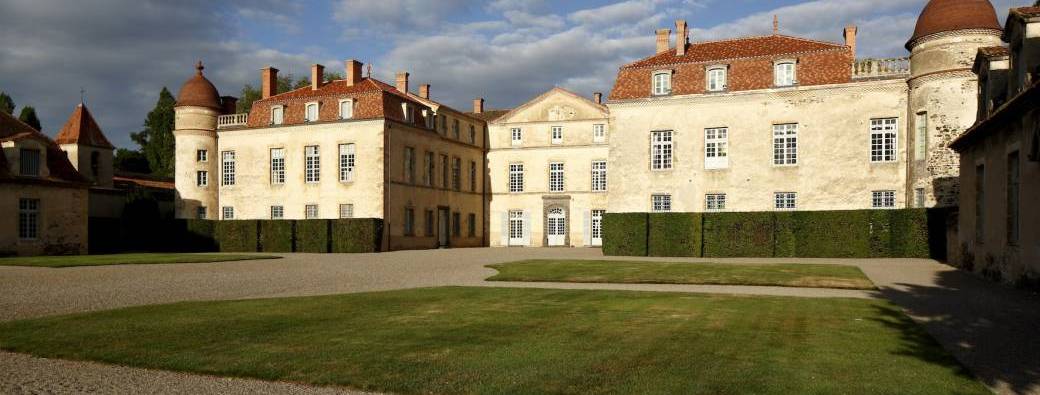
[28, 116]
[6, 103]
[156, 140]
[132, 161]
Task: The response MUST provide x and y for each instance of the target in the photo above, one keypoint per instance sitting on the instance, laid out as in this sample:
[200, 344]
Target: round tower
[944, 92]
[197, 176]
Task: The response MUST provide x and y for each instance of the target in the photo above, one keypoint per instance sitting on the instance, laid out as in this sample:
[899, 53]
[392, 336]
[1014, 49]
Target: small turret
[195, 132]
[87, 147]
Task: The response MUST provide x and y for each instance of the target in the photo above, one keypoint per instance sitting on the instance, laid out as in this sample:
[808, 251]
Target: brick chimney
[402, 81]
[597, 97]
[682, 37]
[478, 105]
[664, 38]
[228, 104]
[424, 91]
[268, 82]
[850, 38]
[353, 72]
[317, 76]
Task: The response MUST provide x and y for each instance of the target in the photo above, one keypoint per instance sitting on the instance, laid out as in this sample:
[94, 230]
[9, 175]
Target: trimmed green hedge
[198, 235]
[276, 236]
[625, 234]
[676, 234]
[312, 235]
[909, 233]
[237, 235]
[357, 235]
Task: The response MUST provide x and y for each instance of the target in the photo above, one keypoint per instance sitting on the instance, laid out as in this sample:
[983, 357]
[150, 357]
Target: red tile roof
[950, 15]
[60, 169]
[142, 180]
[82, 129]
[198, 91]
[739, 48]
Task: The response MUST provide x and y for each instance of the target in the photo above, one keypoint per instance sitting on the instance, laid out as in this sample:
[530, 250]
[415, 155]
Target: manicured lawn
[633, 272]
[124, 259]
[502, 340]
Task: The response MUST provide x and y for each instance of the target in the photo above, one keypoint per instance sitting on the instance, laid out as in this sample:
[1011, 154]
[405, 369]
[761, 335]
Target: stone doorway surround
[553, 201]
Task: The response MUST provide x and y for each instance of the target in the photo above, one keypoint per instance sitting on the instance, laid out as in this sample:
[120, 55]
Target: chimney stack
[664, 38]
[268, 82]
[682, 37]
[478, 105]
[317, 77]
[597, 97]
[424, 91]
[228, 104]
[402, 81]
[850, 38]
[353, 72]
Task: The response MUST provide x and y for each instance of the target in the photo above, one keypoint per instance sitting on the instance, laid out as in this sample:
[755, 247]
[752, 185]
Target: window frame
[716, 148]
[201, 178]
[793, 63]
[599, 170]
[227, 168]
[557, 177]
[346, 210]
[201, 155]
[921, 136]
[311, 211]
[709, 73]
[409, 221]
[516, 136]
[516, 177]
[277, 114]
[715, 202]
[407, 113]
[347, 162]
[599, 133]
[29, 219]
[785, 201]
[884, 140]
[661, 203]
[662, 145]
[661, 82]
[883, 199]
[277, 212]
[456, 173]
[556, 135]
[312, 164]
[227, 213]
[783, 136]
[307, 111]
[472, 176]
[277, 166]
[409, 165]
[30, 162]
[351, 107]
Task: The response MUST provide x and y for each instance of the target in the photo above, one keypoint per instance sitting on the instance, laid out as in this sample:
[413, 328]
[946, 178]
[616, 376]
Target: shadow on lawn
[992, 329]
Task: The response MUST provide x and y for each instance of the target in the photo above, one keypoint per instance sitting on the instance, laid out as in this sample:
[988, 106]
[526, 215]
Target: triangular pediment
[557, 104]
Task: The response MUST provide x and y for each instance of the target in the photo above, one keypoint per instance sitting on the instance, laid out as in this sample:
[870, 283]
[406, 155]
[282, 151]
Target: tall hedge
[677, 234]
[199, 236]
[237, 235]
[784, 244]
[312, 235]
[276, 236]
[625, 234]
[738, 234]
[357, 235]
[832, 234]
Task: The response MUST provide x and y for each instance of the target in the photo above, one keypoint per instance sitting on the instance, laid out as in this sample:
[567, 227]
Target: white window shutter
[527, 228]
[587, 232]
[505, 228]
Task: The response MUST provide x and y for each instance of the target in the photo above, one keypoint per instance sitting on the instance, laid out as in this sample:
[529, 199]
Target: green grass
[644, 272]
[124, 259]
[502, 340]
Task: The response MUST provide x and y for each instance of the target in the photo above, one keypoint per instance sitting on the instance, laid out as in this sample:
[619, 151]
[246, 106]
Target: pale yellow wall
[834, 171]
[949, 51]
[195, 130]
[79, 156]
[63, 220]
[13, 152]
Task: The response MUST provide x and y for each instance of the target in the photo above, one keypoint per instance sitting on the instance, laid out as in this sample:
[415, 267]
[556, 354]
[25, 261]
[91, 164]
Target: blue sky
[124, 51]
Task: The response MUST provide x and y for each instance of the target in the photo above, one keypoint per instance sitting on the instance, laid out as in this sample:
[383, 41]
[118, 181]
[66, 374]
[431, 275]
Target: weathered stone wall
[62, 220]
[195, 129]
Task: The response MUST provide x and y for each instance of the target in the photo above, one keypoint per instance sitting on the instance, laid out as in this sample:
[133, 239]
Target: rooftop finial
[368, 68]
[199, 67]
[776, 24]
[82, 92]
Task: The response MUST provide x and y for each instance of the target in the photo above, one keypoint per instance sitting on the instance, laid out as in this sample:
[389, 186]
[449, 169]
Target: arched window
[717, 79]
[662, 82]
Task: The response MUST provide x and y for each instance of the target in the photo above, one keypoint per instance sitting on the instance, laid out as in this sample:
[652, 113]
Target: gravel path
[992, 329]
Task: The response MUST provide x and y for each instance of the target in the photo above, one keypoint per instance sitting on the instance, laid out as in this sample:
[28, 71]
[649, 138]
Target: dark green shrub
[910, 231]
[675, 234]
[104, 235]
[625, 234]
[198, 236]
[236, 236]
[738, 234]
[357, 235]
[276, 236]
[881, 233]
[832, 234]
[312, 235]
[784, 244]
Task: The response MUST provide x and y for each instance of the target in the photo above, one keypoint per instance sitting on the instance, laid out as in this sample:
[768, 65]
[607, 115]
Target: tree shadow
[992, 329]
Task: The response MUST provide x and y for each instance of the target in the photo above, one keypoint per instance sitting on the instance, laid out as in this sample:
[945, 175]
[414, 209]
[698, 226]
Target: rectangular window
[597, 226]
[471, 230]
[407, 113]
[599, 133]
[921, 136]
[201, 155]
[346, 109]
[312, 112]
[472, 134]
[456, 174]
[346, 211]
[517, 136]
[715, 201]
[662, 83]
[556, 134]
[409, 165]
[277, 115]
[429, 118]
[516, 177]
[716, 148]
[1013, 173]
[228, 212]
[784, 74]
[883, 140]
[29, 162]
[28, 219]
[599, 176]
[409, 221]
[202, 178]
[312, 169]
[455, 128]
[429, 171]
[310, 211]
[785, 144]
[445, 172]
[883, 199]
[429, 223]
[785, 200]
[661, 203]
[200, 212]
[277, 212]
[472, 176]
[980, 203]
[346, 162]
[228, 167]
[717, 79]
[556, 177]
[661, 150]
[456, 224]
[919, 197]
[278, 166]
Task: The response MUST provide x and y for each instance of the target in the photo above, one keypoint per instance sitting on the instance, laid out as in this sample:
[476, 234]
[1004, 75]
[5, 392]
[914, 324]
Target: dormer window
[428, 118]
[312, 112]
[784, 73]
[662, 83]
[346, 109]
[406, 109]
[717, 79]
[29, 162]
[277, 115]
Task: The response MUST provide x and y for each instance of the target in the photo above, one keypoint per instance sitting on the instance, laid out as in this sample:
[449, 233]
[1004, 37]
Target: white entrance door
[516, 228]
[557, 226]
[597, 227]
